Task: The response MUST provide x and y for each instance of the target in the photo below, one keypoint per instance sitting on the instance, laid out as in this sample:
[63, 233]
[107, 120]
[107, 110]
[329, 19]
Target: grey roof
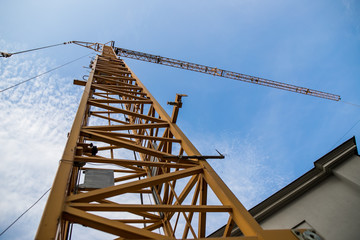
[321, 171]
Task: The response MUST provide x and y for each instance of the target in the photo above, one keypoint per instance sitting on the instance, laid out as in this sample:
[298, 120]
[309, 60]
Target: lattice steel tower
[119, 123]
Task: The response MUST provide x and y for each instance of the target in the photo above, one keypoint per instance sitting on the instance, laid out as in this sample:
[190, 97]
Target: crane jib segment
[222, 73]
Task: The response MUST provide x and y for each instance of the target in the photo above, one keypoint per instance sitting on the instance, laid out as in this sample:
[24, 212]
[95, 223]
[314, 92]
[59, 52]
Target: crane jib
[193, 67]
[222, 73]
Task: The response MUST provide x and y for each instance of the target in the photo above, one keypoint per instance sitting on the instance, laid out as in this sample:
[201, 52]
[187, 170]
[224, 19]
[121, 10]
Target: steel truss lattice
[135, 125]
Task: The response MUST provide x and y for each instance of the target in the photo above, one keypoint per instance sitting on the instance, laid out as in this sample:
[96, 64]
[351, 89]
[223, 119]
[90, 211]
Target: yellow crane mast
[120, 124]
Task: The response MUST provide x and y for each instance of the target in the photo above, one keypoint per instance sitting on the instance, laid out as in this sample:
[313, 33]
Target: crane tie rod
[222, 73]
[39, 75]
[6, 55]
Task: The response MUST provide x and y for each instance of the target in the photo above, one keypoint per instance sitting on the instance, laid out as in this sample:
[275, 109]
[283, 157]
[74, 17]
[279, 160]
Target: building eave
[322, 170]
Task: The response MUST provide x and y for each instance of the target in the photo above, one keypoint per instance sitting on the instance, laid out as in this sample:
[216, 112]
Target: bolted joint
[94, 151]
[86, 148]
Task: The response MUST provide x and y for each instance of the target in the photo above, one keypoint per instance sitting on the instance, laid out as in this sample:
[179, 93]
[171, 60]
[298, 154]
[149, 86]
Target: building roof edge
[321, 171]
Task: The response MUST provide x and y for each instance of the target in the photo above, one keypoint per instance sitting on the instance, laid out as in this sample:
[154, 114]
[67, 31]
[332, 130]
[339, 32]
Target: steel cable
[25, 212]
[6, 55]
[17, 84]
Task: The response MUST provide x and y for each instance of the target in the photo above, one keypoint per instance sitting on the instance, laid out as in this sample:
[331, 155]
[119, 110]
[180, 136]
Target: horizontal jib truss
[222, 73]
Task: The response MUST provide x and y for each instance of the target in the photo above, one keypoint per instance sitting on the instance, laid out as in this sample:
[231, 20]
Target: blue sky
[270, 137]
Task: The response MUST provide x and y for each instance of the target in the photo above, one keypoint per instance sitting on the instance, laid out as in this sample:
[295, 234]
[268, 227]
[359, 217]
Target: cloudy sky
[270, 137]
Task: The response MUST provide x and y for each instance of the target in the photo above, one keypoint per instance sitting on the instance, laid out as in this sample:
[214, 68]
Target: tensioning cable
[6, 55]
[17, 84]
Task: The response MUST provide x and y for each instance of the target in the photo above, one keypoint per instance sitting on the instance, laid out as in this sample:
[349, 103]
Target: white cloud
[246, 169]
[34, 120]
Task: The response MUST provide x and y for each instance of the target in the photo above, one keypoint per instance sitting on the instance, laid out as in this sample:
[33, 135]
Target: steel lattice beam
[222, 73]
[128, 119]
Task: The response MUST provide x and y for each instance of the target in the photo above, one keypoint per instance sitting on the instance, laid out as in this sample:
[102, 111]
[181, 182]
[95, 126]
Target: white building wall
[332, 208]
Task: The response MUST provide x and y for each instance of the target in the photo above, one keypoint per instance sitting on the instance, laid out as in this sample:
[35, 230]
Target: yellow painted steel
[50, 220]
[133, 121]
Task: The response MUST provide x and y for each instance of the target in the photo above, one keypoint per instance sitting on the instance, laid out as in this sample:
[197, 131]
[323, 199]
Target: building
[326, 198]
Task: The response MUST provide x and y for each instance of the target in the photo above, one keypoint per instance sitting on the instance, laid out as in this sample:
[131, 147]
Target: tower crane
[146, 153]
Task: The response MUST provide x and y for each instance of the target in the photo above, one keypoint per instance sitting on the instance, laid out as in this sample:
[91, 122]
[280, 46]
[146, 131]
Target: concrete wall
[332, 208]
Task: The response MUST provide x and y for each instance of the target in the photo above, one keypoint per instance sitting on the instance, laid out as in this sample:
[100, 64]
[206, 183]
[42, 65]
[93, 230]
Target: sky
[269, 137]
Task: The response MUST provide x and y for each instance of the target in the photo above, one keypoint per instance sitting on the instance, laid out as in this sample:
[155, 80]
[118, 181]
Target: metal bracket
[178, 102]
[5, 54]
[200, 157]
[177, 105]
[306, 235]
